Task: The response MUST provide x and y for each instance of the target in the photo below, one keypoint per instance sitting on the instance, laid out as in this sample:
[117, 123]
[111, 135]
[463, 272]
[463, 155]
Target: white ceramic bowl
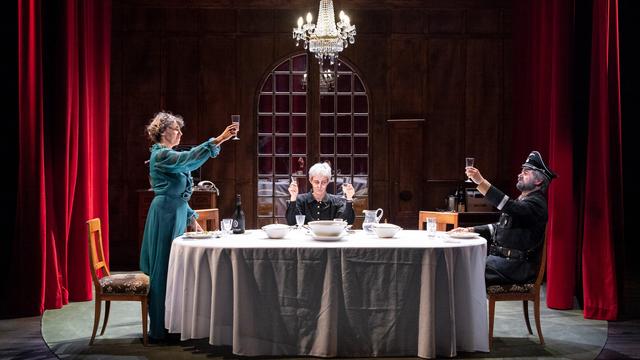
[386, 230]
[327, 227]
[276, 231]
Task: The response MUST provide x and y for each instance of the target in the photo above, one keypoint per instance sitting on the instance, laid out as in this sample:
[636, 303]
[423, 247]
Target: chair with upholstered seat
[117, 287]
[209, 219]
[442, 219]
[520, 292]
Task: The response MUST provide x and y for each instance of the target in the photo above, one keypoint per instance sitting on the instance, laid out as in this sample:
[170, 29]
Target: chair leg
[107, 307]
[96, 319]
[145, 315]
[536, 314]
[525, 309]
[492, 312]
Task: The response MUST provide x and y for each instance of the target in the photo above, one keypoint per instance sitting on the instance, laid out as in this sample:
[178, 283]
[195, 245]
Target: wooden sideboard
[461, 219]
[200, 199]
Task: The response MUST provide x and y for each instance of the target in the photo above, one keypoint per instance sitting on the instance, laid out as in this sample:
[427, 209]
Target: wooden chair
[520, 292]
[117, 287]
[442, 219]
[209, 219]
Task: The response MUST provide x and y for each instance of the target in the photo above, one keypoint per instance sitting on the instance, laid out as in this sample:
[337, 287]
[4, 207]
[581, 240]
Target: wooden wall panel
[445, 61]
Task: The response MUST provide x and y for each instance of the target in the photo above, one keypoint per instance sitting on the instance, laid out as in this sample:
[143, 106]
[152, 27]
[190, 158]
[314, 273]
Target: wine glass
[345, 182]
[236, 120]
[300, 221]
[469, 163]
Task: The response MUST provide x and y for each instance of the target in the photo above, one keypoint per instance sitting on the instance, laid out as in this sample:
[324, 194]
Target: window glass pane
[300, 62]
[357, 86]
[299, 124]
[281, 207]
[265, 145]
[360, 104]
[344, 166]
[326, 145]
[265, 187]
[282, 145]
[265, 105]
[303, 184]
[282, 82]
[265, 166]
[268, 84]
[299, 165]
[282, 165]
[265, 124]
[299, 145]
[299, 103]
[344, 145]
[344, 83]
[360, 166]
[284, 66]
[360, 124]
[326, 104]
[344, 103]
[326, 125]
[299, 84]
[360, 145]
[282, 103]
[282, 124]
[282, 186]
[343, 123]
[265, 206]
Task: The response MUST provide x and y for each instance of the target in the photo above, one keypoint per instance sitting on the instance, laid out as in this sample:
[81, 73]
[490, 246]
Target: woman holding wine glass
[169, 213]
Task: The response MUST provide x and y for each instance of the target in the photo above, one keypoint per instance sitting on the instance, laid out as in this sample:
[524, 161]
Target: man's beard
[522, 186]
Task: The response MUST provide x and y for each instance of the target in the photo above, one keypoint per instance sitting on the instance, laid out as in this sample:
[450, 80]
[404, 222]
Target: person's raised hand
[473, 174]
[293, 190]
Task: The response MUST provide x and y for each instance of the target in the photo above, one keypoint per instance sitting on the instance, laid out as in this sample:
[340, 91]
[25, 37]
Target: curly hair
[160, 122]
[321, 170]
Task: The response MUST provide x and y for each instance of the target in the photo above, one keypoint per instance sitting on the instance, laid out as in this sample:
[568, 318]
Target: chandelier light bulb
[309, 18]
[300, 22]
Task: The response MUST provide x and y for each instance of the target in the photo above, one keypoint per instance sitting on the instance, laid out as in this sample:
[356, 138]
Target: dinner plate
[328, 238]
[463, 235]
[199, 234]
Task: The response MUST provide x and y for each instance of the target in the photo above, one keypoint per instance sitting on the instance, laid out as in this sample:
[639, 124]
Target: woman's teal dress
[168, 217]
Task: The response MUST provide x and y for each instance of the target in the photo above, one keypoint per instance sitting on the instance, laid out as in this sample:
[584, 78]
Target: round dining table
[355, 296]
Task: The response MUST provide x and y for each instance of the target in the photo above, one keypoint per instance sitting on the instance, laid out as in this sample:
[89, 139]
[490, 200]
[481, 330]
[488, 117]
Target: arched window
[288, 124]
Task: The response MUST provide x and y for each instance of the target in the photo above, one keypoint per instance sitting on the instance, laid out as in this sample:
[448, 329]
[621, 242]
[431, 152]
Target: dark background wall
[447, 62]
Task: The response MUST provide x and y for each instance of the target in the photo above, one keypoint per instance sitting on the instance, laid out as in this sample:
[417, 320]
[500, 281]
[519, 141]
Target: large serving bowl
[327, 227]
[276, 231]
[386, 230]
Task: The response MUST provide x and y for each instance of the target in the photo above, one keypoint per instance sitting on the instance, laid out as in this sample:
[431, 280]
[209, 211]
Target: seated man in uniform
[515, 242]
[317, 204]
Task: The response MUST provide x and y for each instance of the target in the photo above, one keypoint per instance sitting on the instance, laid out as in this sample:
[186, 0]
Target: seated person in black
[515, 242]
[317, 204]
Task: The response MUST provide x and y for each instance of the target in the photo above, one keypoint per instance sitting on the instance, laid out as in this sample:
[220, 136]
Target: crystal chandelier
[326, 39]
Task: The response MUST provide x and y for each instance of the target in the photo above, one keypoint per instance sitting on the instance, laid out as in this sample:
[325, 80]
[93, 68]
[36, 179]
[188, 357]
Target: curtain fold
[63, 149]
[603, 179]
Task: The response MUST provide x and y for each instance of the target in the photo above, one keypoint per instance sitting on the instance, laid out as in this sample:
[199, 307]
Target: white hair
[320, 170]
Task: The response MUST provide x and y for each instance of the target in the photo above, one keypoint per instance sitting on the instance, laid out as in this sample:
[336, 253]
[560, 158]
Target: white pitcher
[371, 217]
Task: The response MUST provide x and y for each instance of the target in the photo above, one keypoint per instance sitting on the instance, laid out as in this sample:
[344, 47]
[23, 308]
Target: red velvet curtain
[582, 203]
[63, 149]
[603, 179]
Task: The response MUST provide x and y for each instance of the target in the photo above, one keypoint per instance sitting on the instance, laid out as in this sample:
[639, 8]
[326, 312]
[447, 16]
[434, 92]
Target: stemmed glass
[345, 181]
[468, 163]
[236, 120]
[300, 221]
[226, 226]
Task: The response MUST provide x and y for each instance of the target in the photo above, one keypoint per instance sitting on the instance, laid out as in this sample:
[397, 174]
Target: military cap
[534, 161]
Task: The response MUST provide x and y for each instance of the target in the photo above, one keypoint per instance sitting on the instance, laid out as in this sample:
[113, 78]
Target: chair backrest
[442, 219]
[543, 259]
[208, 219]
[97, 262]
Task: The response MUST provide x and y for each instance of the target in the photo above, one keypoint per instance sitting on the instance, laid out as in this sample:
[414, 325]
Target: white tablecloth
[362, 296]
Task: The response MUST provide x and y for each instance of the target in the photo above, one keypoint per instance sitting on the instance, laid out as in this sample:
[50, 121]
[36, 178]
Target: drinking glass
[300, 221]
[431, 226]
[468, 163]
[236, 119]
[226, 226]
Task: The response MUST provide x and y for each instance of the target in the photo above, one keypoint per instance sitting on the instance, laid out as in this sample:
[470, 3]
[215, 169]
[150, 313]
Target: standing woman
[169, 213]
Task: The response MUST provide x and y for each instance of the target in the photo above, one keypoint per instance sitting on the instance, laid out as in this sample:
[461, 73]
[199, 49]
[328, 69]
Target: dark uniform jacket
[331, 207]
[516, 240]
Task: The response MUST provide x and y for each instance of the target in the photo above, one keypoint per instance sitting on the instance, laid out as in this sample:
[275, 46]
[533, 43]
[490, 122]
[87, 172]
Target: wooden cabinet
[449, 220]
[200, 199]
